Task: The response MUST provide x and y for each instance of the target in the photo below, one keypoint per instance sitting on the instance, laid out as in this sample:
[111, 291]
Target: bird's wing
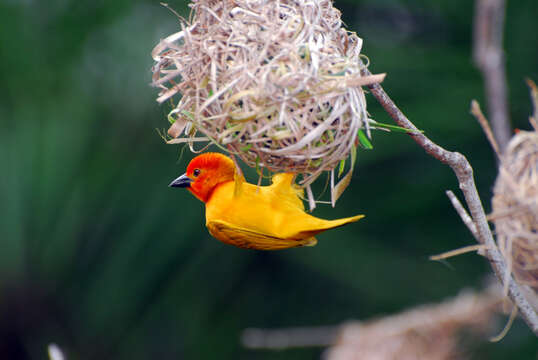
[250, 239]
[285, 188]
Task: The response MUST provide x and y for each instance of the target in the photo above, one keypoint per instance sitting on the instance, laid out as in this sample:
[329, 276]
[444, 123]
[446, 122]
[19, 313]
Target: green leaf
[331, 136]
[396, 128]
[188, 114]
[171, 119]
[363, 139]
[258, 164]
[341, 168]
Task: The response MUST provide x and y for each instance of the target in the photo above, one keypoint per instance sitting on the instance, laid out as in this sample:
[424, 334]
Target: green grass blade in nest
[363, 140]
[395, 128]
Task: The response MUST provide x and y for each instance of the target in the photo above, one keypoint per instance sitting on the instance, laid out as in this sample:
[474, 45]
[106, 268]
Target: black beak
[183, 181]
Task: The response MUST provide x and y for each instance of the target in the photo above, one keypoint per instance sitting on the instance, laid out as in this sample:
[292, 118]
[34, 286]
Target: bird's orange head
[204, 173]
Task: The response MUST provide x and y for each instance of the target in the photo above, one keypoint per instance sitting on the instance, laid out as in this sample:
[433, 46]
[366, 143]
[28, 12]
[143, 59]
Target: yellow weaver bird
[250, 216]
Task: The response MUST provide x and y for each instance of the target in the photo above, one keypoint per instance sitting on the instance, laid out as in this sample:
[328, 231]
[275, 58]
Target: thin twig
[484, 123]
[534, 99]
[456, 252]
[465, 217]
[464, 173]
[489, 58]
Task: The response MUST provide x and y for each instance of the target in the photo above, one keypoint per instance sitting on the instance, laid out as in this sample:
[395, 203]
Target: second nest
[515, 209]
[277, 83]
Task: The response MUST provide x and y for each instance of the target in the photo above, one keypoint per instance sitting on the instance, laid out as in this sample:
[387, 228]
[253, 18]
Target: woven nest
[276, 83]
[515, 208]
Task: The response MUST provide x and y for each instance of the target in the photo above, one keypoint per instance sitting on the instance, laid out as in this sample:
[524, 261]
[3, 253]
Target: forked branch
[464, 173]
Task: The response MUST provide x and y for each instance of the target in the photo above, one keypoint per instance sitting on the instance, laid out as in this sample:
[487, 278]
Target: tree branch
[464, 173]
[484, 123]
[467, 220]
[489, 58]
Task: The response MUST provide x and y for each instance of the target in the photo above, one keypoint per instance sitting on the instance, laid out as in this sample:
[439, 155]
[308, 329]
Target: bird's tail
[326, 225]
[340, 222]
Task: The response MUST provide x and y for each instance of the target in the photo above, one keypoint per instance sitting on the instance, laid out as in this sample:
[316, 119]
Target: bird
[252, 216]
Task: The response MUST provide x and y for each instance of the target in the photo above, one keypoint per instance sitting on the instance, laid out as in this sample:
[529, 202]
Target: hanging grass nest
[275, 83]
[515, 208]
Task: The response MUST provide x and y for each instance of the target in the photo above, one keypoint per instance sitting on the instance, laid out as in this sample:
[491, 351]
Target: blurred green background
[98, 255]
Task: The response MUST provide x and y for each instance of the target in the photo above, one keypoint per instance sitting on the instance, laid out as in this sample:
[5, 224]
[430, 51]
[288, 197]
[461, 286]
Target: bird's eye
[196, 172]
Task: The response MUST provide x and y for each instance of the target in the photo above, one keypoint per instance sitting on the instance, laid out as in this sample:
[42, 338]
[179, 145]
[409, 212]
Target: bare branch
[464, 173]
[484, 123]
[489, 58]
[457, 252]
[467, 220]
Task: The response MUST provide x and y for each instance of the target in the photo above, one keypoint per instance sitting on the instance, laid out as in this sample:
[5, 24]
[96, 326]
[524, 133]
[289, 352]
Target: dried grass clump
[276, 83]
[515, 208]
[439, 331]
[435, 332]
